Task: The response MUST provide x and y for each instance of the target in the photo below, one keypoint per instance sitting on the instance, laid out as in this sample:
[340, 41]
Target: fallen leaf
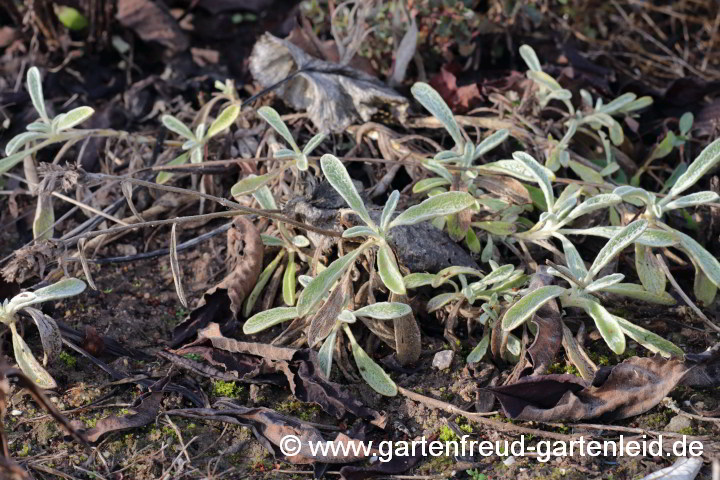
[152, 22]
[335, 96]
[459, 99]
[146, 414]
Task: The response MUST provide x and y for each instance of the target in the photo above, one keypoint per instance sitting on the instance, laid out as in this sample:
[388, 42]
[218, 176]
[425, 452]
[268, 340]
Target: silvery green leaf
[273, 118]
[650, 273]
[164, 177]
[325, 354]
[605, 282]
[226, 118]
[28, 363]
[685, 123]
[67, 287]
[437, 206]
[189, 145]
[313, 143]
[38, 126]
[268, 318]
[289, 281]
[530, 57]
[609, 169]
[633, 193]
[388, 270]
[449, 272]
[433, 103]
[650, 237]
[607, 325]
[196, 155]
[585, 173]
[175, 266]
[699, 167]
[617, 136]
[347, 316]
[326, 318]
[359, 231]
[513, 348]
[200, 132]
[573, 190]
[284, 153]
[429, 183]
[563, 208]
[487, 252]
[638, 104]
[321, 284]
[617, 104]
[514, 168]
[176, 126]
[300, 241]
[263, 279]
[586, 98]
[373, 374]
[538, 172]
[596, 202]
[472, 241]
[616, 245]
[20, 140]
[491, 142]
[49, 334]
[545, 80]
[389, 209]
[74, 117]
[440, 301]
[270, 241]
[524, 308]
[653, 342]
[435, 167]
[384, 310]
[573, 259]
[34, 85]
[251, 183]
[301, 162]
[44, 218]
[446, 156]
[691, 200]
[479, 351]
[562, 94]
[265, 198]
[703, 259]
[704, 290]
[633, 290]
[421, 279]
[498, 275]
[564, 273]
[338, 177]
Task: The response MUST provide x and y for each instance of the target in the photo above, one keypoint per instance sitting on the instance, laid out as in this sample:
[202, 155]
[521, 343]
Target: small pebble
[509, 461]
[16, 413]
[678, 423]
[443, 360]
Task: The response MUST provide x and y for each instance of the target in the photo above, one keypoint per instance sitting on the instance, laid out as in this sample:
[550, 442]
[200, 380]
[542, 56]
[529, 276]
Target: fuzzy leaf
[650, 237]
[337, 175]
[325, 354]
[479, 351]
[433, 102]
[389, 209]
[34, 85]
[530, 57]
[321, 284]
[313, 143]
[74, 117]
[573, 259]
[595, 203]
[704, 290]
[538, 172]
[491, 142]
[164, 177]
[650, 273]
[420, 279]
[607, 325]
[653, 342]
[691, 200]
[263, 279]
[703, 259]
[388, 270]
[514, 168]
[699, 167]
[50, 335]
[273, 118]
[633, 290]
[223, 121]
[524, 308]
[384, 310]
[289, 281]
[496, 227]
[268, 318]
[251, 183]
[359, 231]
[44, 218]
[28, 363]
[437, 206]
[175, 125]
[605, 282]
[19, 141]
[373, 374]
[265, 198]
[429, 183]
[439, 301]
[616, 245]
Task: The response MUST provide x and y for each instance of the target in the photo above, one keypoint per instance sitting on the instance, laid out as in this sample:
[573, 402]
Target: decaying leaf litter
[555, 239]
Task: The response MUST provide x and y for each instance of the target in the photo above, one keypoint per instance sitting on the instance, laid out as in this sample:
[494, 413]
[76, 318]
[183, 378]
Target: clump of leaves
[583, 290]
[49, 331]
[297, 158]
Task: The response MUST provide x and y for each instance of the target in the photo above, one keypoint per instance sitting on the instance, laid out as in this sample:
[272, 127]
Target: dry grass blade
[127, 190]
[175, 266]
[84, 263]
